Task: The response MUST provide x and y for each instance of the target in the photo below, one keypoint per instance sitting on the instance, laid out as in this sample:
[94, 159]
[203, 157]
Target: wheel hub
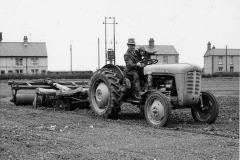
[102, 95]
[157, 111]
[99, 95]
[204, 111]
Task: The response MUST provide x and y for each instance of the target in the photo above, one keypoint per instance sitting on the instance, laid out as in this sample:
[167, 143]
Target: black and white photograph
[119, 79]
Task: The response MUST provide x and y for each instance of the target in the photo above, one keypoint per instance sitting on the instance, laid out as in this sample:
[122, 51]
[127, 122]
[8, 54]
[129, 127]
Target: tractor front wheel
[157, 110]
[208, 112]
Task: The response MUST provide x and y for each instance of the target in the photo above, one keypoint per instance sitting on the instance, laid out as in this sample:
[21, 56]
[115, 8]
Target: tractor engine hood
[178, 68]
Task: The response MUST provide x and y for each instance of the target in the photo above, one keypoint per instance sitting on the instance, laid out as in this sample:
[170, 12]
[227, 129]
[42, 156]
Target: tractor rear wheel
[105, 96]
[157, 110]
[208, 113]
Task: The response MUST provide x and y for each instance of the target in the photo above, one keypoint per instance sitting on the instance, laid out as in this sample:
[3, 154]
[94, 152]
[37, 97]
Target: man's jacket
[131, 59]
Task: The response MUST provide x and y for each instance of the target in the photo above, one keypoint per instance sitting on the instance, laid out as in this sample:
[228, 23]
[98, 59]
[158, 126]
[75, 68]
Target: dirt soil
[48, 133]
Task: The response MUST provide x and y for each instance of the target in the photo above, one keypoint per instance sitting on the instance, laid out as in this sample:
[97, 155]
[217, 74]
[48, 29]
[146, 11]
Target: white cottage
[221, 60]
[23, 57]
[165, 53]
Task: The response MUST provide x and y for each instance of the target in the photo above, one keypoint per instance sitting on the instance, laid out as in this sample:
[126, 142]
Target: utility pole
[114, 40]
[71, 57]
[105, 39]
[114, 49]
[98, 54]
[226, 58]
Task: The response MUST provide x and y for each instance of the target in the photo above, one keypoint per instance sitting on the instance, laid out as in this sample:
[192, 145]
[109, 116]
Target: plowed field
[47, 133]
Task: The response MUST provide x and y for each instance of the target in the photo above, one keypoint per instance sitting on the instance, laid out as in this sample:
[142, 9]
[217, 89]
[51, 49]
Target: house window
[43, 72]
[231, 60]
[34, 61]
[19, 61]
[2, 72]
[220, 69]
[176, 59]
[19, 71]
[165, 59]
[220, 59]
[231, 68]
[34, 71]
[10, 72]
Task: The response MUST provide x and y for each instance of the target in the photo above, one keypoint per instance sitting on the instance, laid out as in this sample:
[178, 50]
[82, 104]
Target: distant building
[165, 53]
[221, 60]
[23, 57]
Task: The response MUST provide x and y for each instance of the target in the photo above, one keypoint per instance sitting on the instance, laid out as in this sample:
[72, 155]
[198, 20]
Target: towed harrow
[49, 93]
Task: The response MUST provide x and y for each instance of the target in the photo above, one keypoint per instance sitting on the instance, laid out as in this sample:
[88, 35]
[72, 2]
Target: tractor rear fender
[118, 70]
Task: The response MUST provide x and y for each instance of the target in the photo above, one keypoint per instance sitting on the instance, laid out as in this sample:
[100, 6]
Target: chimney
[25, 40]
[151, 43]
[213, 47]
[1, 37]
[209, 46]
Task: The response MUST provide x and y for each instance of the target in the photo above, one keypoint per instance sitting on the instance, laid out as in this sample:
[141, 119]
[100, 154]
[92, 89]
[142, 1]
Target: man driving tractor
[155, 92]
[134, 67]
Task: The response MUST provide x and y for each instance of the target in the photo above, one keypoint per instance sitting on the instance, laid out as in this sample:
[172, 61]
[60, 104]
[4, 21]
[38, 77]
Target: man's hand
[140, 64]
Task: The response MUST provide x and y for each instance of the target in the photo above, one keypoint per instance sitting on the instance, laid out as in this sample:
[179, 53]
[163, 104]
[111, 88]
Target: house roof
[222, 52]
[33, 49]
[162, 49]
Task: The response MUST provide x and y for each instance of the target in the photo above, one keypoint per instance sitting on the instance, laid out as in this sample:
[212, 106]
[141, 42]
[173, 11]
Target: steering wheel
[148, 61]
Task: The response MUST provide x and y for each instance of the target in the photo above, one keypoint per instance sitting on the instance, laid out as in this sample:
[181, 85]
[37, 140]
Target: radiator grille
[193, 82]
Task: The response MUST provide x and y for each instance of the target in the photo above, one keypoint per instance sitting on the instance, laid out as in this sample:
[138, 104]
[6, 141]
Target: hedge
[52, 76]
[221, 74]
[88, 75]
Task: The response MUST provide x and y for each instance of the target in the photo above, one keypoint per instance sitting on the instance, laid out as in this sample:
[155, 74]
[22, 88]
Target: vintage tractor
[165, 86]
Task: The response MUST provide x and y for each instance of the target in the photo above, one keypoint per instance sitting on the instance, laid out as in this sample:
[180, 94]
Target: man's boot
[138, 90]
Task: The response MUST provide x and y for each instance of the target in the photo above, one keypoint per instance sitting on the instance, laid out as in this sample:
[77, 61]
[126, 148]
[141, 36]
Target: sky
[188, 25]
